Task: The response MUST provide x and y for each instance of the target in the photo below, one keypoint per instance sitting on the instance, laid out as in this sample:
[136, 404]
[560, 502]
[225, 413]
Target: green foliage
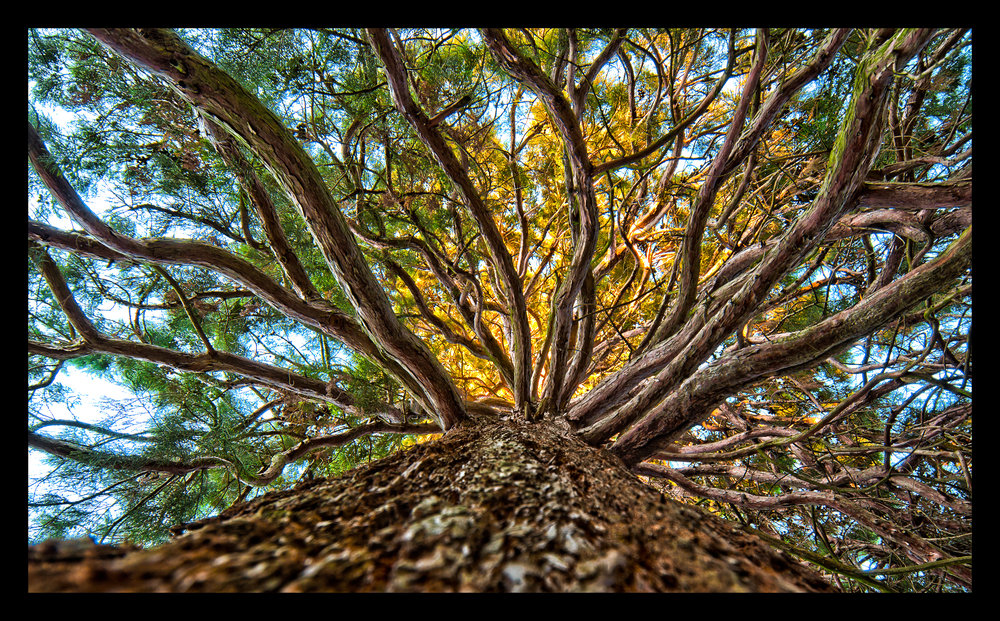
[134, 149]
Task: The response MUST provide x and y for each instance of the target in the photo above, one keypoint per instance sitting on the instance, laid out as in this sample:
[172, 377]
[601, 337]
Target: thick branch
[276, 377]
[323, 317]
[64, 297]
[114, 461]
[109, 244]
[885, 199]
[561, 111]
[499, 254]
[241, 114]
[856, 147]
[690, 403]
[690, 254]
[264, 207]
[213, 360]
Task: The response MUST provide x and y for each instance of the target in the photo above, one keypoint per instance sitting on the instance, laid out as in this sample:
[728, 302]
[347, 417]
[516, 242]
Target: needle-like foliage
[737, 259]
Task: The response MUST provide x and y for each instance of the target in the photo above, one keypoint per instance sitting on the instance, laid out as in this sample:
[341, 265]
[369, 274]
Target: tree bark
[490, 506]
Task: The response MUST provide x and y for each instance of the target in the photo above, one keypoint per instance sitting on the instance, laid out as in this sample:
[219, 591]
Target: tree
[604, 270]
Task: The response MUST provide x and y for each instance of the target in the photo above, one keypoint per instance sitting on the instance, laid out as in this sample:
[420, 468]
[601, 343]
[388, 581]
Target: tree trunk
[490, 506]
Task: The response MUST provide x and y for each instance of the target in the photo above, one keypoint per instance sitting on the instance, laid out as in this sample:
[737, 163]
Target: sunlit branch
[680, 354]
[690, 253]
[520, 337]
[503, 364]
[447, 272]
[559, 108]
[677, 128]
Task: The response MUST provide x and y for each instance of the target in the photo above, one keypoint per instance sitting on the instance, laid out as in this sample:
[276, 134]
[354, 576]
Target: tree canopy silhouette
[736, 260]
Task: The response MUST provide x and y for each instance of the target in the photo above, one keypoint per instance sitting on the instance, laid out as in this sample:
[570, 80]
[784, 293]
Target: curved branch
[213, 360]
[189, 310]
[499, 254]
[879, 198]
[915, 547]
[738, 498]
[777, 100]
[443, 269]
[300, 450]
[611, 49]
[320, 315]
[237, 111]
[64, 297]
[264, 207]
[502, 363]
[561, 111]
[90, 427]
[678, 127]
[851, 159]
[109, 244]
[114, 461]
[690, 253]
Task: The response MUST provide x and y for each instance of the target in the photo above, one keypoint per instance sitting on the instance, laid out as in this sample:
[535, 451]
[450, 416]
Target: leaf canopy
[737, 259]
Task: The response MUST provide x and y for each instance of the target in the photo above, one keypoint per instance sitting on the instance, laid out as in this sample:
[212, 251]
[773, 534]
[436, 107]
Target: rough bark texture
[491, 506]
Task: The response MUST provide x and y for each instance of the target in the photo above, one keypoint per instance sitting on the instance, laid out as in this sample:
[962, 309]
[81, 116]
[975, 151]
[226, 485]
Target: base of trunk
[499, 506]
